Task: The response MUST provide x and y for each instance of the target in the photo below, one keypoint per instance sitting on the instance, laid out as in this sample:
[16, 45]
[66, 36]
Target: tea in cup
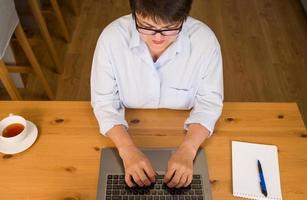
[13, 128]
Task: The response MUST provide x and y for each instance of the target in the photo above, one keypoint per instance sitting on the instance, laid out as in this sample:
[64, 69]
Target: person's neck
[156, 54]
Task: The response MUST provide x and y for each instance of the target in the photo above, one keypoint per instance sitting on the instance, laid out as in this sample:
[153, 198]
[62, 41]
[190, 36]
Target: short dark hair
[168, 11]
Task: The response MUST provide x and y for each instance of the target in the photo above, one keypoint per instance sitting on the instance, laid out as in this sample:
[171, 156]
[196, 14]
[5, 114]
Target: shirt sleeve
[107, 106]
[208, 102]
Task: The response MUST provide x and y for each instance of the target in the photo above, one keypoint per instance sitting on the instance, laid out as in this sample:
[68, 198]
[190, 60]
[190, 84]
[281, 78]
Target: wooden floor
[263, 43]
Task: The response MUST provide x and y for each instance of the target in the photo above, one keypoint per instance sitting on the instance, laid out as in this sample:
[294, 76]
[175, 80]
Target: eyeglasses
[164, 32]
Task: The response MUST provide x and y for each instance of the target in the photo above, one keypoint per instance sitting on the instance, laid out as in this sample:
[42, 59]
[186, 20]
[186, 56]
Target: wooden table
[64, 161]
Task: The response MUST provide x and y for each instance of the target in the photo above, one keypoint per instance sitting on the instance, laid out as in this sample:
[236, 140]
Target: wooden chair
[9, 23]
[45, 33]
[75, 5]
[38, 15]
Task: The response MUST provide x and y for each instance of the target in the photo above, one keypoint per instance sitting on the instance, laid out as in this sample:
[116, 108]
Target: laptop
[112, 186]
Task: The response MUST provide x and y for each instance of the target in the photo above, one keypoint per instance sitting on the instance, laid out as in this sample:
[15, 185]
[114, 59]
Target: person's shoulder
[117, 32]
[200, 33]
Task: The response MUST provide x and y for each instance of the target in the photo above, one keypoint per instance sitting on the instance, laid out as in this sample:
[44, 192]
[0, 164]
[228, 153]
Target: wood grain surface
[63, 163]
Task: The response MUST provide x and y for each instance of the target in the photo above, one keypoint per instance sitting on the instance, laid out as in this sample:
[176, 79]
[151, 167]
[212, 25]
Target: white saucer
[13, 148]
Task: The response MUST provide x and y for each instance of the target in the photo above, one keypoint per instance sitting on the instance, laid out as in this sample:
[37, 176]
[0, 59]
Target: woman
[157, 57]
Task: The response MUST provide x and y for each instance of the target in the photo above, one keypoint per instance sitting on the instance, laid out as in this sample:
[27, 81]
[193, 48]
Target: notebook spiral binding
[248, 196]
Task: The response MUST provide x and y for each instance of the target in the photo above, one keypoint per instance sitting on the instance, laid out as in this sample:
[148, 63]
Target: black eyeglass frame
[155, 31]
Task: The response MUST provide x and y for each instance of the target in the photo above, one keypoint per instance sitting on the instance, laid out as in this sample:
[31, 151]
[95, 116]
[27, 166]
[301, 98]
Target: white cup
[13, 119]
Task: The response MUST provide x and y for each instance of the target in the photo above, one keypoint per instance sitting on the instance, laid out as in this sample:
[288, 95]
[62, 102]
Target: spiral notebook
[245, 176]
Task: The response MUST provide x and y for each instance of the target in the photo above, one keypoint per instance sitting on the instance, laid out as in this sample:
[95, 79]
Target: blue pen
[262, 181]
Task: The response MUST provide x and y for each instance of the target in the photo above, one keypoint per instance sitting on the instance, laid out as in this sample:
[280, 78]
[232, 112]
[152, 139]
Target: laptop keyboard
[116, 189]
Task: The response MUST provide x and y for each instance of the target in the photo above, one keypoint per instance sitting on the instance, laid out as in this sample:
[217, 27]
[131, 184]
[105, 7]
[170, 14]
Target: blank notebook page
[245, 176]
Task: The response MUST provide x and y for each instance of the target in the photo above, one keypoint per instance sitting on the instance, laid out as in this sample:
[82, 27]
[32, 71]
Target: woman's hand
[180, 167]
[137, 166]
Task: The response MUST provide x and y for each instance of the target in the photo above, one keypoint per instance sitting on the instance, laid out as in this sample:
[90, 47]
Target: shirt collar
[182, 43]
[135, 36]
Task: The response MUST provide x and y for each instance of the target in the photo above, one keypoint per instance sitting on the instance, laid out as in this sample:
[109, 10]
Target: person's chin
[158, 46]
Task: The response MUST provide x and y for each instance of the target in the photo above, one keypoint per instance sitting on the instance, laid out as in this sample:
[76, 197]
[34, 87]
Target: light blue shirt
[189, 74]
